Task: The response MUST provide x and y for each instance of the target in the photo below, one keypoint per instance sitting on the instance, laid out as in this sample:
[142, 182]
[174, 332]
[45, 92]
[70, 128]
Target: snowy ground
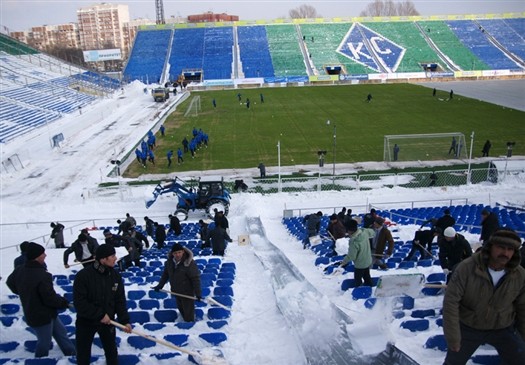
[50, 189]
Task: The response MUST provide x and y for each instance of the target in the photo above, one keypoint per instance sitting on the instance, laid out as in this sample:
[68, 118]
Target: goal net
[425, 147]
[194, 107]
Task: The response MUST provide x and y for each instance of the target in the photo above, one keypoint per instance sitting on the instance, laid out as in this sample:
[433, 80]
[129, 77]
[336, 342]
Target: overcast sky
[23, 14]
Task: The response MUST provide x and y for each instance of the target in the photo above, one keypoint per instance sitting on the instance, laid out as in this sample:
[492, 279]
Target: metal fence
[442, 179]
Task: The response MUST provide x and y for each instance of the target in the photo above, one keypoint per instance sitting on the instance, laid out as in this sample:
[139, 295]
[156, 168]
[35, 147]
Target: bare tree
[304, 11]
[389, 8]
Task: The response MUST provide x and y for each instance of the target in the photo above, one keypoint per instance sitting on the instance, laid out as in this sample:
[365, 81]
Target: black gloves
[199, 299]
[157, 288]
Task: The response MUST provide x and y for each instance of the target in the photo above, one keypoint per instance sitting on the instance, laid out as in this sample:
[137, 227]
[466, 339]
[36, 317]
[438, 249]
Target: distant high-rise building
[101, 26]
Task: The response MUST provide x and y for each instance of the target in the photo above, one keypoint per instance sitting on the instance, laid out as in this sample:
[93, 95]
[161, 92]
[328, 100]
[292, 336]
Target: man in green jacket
[485, 302]
[359, 252]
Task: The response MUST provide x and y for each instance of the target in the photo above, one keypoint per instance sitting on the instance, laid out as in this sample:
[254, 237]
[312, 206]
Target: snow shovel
[208, 359]
[208, 300]
[423, 247]
[398, 285]
[82, 262]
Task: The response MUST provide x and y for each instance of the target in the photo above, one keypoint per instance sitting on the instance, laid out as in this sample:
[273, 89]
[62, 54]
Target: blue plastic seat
[157, 294]
[184, 325]
[218, 313]
[9, 308]
[139, 317]
[128, 359]
[437, 342]
[422, 313]
[153, 326]
[486, 359]
[165, 315]
[177, 339]
[224, 300]
[8, 346]
[223, 290]
[136, 294]
[361, 292]
[416, 325]
[214, 338]
[347, 284]
[217, 324]
[8, 321]
[140, 343]
[406, 265]
[436, 277]
[148, 304]
[131, 304]
[224, 282]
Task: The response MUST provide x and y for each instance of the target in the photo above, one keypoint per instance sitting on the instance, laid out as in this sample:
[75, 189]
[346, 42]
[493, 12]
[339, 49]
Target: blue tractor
[208, 195]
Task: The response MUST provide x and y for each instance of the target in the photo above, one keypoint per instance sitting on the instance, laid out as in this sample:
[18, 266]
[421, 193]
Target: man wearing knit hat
[485, 302]
[98, 294]
[184, 277]
[453, 248]
[84, 250]
[382, 236]
[40, 302]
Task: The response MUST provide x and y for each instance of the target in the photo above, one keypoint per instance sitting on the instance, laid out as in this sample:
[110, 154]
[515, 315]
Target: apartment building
[50, 35]
[102, 26]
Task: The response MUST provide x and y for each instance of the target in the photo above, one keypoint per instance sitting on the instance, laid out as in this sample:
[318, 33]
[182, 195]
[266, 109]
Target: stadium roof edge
[348, 19]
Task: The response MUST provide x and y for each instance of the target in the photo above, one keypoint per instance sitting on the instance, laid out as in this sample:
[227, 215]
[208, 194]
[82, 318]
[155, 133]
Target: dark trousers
[360, 274]
[507, 341]
[85, 333]
[186, 308]
[420, 248]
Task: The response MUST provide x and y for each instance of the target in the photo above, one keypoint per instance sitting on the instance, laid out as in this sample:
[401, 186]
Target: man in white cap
[453, 248]
[485, 302]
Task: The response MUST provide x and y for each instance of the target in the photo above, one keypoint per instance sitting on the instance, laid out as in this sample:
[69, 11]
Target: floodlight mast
[159, 8]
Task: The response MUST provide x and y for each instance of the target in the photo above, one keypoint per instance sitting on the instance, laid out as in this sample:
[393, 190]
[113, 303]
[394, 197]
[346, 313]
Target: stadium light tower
[159, 8]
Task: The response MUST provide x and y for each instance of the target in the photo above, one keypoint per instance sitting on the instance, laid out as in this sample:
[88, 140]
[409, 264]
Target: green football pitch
[298, 118]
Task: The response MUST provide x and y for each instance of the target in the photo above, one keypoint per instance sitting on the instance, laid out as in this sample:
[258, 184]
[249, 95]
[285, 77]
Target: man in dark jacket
[123, 227]
[221, 220]
[422, 239]
[382, 236]
[446, 220]
[184, 277]
[313, 225]
[57, 233]
[40, 302]
[84, 250]
[175, 226]
[160, 235]
[203, 230]
[369, 218]
[453, 248]
[133, 246]
[217, 238]
[336, 227]
[489, 224]
[98, 294]
[141, 238]
[150, 227]
[485, 302]
[20, 260]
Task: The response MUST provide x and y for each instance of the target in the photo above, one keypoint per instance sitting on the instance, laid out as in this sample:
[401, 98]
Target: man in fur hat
[184, 277]
[485, 302]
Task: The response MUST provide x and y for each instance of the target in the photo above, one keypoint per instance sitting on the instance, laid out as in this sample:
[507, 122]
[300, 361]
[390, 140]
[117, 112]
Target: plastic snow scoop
[208, 300]
[200, 358]
[397, 285]
[315, 240]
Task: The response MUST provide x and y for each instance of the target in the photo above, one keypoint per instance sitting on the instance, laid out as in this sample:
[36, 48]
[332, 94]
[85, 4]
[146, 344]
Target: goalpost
[194, 107]
[425, 147]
